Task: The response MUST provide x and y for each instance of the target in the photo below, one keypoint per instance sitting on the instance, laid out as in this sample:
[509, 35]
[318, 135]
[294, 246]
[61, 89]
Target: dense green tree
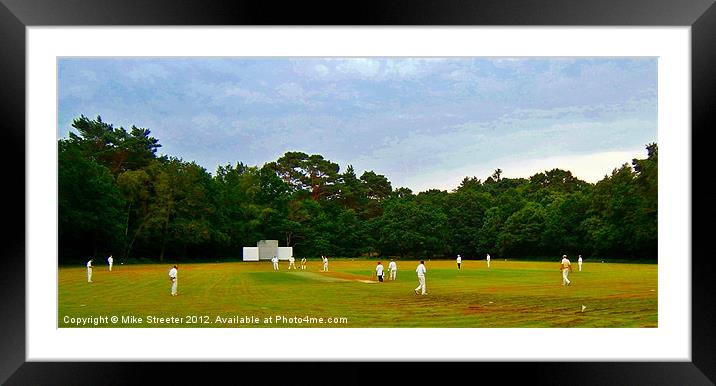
[179, 209]
[487, 236]
[466, 209]
[409, 228]
[136, 187]
[90, 206]
[563, 232]
[308, 172]
[351, 192]
[522, 231]
[615, 204]
[646, 188]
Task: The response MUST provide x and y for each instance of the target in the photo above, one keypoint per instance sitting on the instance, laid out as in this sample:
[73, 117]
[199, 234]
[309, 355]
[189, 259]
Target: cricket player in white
[110, 260]
[421, 277]
[579, 261]
[89, 271]
[488, 260]
[379, 271]
[303, 263]
[173, 279]
[459, 260]
[325, 263]
[566, 267]
[291, 262]
[393, 269]
[274, 260]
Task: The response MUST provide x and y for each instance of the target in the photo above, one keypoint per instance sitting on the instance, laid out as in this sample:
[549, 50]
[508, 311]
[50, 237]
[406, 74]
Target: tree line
[116, 196]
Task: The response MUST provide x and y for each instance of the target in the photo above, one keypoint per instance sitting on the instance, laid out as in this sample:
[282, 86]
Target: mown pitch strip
[252, 294]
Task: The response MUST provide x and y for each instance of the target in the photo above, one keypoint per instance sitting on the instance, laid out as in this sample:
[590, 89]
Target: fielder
[421, 278]
[173, 280]
[566, 267]
[291, 262]
[303, 263]
[89, 271]
[459, 260]
[393, 269]
[325, 263]
[579, 261]
[488, 260]
[379, 271]
[274, 260]
[110, 260]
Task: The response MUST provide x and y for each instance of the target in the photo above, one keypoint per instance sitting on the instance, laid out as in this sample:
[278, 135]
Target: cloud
[85, 92]
[223, 93]
[291, 91]
[375, 69]
[402, 68]
[361, 67]
[89, 75]
[147, 72]
[246, 96]
[205, 121]
[322, 70]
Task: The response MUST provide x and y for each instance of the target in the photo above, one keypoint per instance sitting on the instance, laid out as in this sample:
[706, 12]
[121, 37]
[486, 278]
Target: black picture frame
[16, 15]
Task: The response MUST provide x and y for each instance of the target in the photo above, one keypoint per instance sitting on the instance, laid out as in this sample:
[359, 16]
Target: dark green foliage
[90, 206]
[116, 196]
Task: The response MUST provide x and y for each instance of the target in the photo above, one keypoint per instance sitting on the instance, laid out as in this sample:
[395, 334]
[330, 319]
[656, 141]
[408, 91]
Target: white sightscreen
[251, 254]
[267, 249]
[284, 252]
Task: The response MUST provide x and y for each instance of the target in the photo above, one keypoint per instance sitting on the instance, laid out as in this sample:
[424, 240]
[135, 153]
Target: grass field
[509, 294]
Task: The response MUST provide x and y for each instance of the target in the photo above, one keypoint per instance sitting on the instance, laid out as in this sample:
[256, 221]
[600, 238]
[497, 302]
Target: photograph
[357, 192]
[407, 187]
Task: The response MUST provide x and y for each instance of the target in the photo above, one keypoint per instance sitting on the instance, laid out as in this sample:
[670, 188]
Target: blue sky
[423, 122]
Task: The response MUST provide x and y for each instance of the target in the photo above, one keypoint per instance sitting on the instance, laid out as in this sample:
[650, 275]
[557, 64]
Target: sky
[424, 123]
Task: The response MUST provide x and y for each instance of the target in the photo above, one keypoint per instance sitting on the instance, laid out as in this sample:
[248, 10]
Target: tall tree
[116, 148]
[90, 206]
[308, 172]
[350, 190]
[136, 186]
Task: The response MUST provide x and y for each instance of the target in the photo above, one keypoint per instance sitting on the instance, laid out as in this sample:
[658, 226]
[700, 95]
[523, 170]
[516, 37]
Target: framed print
[176, 177]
